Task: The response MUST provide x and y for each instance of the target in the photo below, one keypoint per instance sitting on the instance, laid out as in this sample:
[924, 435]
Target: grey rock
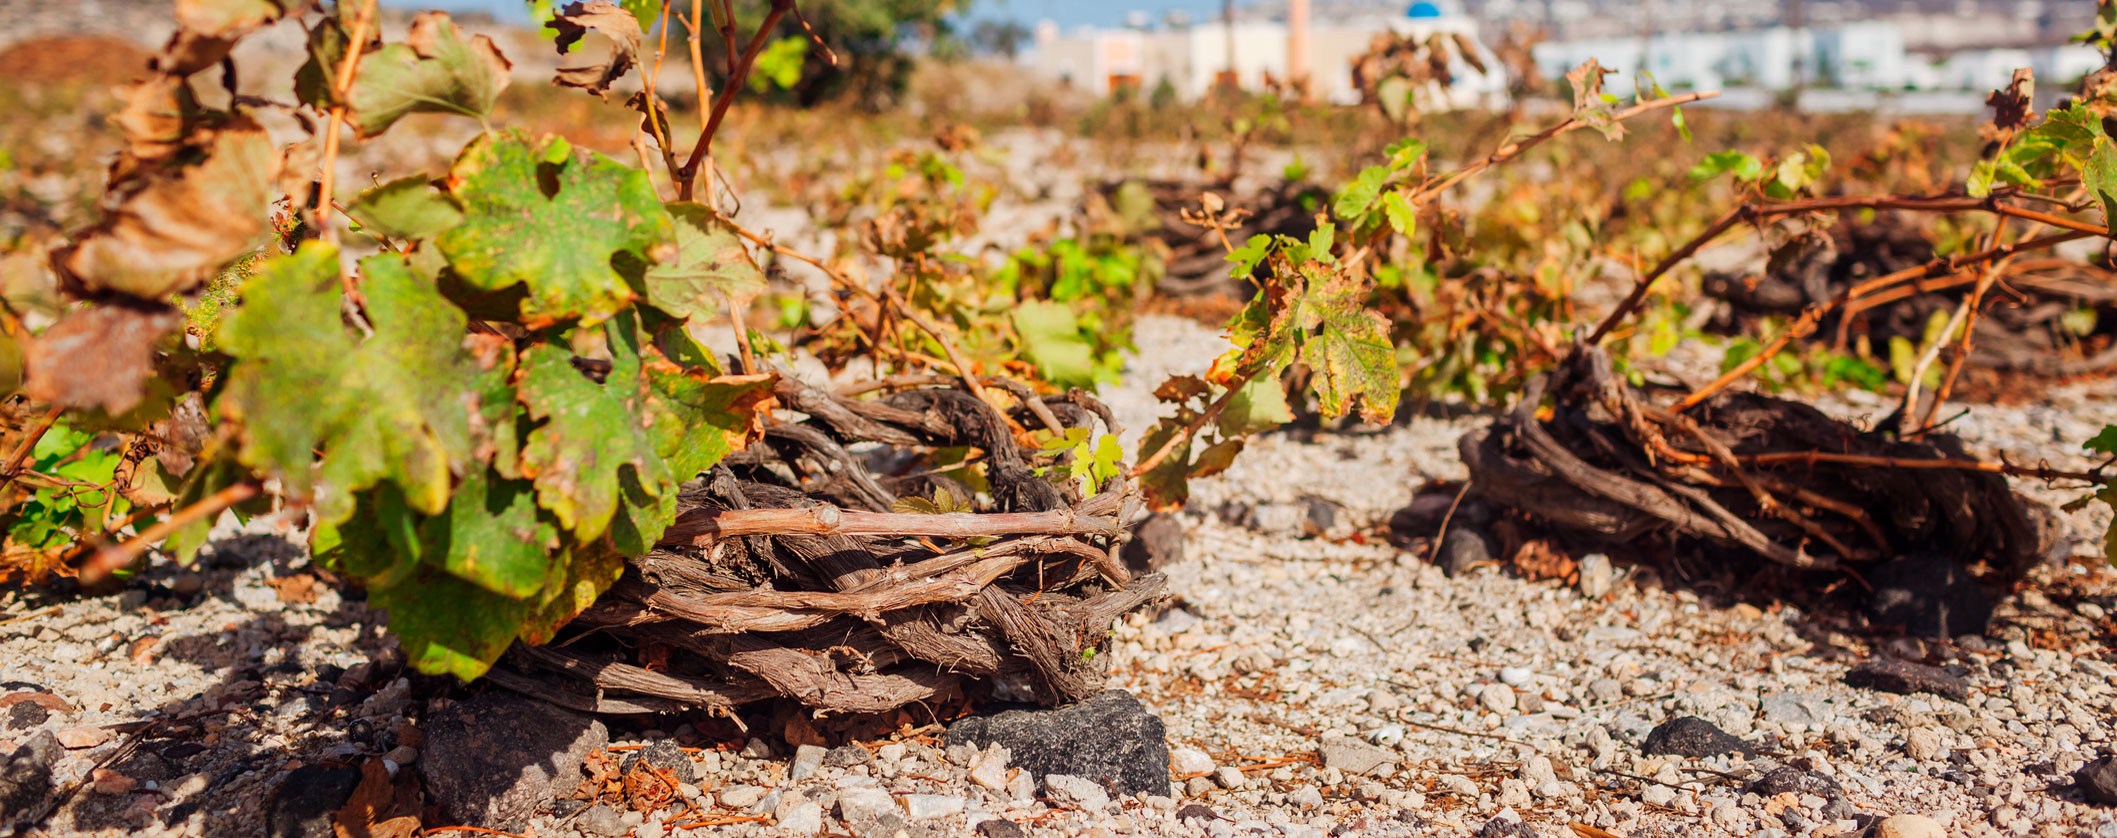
[1109, 738]
[1156, 543]
[1606, 690]
[1464, 547]
[1789, 708]
[1355, 757]
[1904, 678]
[807, 758]
[847, 756]
[1318, 516]
[1690, 736]
[2097, 781]
[1928, 595]
[304, 803]
[1782, 780]
[490, 760]
[664, 754]
[600, 819]
[25, 782]
[803, 818]
[1306, 797]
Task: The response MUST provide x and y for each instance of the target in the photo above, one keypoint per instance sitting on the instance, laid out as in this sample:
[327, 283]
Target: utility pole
[1227, 28]
[1297, 47]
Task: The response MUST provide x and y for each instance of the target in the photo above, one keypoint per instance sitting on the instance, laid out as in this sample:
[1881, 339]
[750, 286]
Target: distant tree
[998, 37]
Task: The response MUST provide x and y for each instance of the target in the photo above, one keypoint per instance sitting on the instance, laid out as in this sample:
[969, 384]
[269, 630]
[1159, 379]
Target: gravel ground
[1313, 680]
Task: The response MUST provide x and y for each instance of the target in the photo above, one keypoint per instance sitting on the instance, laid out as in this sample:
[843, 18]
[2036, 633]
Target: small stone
[1383, 703]
[991, 769]
[1198, 812]
[2097, 781]
[921, 807]
[602, 820]
[1318, 516]
[847, 756]
[107, 781]
[1190, 761]
[1306, 797]
[1925, 744]
[1463, 548]
[1110, 737]
[1788, 708]
[1198, 787]
[76, 738]
[1909, 826]
[1690, 736]
[863, 804]
[1596, 575]
[1387, 735]
[805, 818]
[757, 748]
[1077, 792]
[891, 752]
[1606, 690]
[1519, 677]
[741, 797]
[1000, 828]
[1659, 795]
[1790, 780]
[26, 715]
[807, 758]
[1228, 776]
[1460, 786]
[1355, 757]
[1498, 698]
[1905, 678]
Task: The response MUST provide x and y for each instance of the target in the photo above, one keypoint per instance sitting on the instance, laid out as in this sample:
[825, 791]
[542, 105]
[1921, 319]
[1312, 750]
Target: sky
[1068, 13]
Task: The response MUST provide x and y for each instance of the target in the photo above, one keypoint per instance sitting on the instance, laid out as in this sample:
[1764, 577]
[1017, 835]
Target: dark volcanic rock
[1109, 738]
[2097, 781]
[1903, 677]
[25, 715]
[25, 781]
[1779, 781]
[1928, 595]
[1504, 827]
[492, 759]
[1001, 828]
[302, 805]
[1156, 543]
[664, 754]
[1690, 736]
[847, 756]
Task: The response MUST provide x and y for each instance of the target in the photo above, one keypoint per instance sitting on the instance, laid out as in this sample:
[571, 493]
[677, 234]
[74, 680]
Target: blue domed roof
[1423, 9]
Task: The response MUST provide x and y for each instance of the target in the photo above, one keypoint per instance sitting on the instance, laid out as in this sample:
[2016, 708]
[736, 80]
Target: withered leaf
[159, 116]
[621, 27]
[100, 357]
[2012, 106]
[208, 29]
[175, 228]
[1589, 106]
[378, 807]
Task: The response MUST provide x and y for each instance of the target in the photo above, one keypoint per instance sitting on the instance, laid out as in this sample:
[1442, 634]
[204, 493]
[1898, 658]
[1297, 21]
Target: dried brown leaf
[300, 587]
[379, 808]
[2012, 107]
[176, 227]
[208, 29]
[100, 357]
[621, 27]
[1540, 559]
[159, 116]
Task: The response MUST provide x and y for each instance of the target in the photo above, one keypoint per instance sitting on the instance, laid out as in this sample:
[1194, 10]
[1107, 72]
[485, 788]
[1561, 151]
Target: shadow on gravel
[216, 749]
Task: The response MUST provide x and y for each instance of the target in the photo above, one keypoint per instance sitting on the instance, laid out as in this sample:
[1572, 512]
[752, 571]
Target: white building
[1193, 58]
[1858, 55]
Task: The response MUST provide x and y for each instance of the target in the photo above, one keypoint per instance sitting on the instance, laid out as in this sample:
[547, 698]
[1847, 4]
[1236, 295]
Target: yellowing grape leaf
[413, 404]
[1316, 314]
[435, 70]
[709, 270]
[541, 215]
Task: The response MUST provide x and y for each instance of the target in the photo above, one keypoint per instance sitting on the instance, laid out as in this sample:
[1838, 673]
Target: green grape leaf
[540, 215]
[1051, 339]
[491, 536]
[409, 208]
[709, 270]
[1168, 483]
[448, 625]
[1216, 458]
[2098, 174]
[1350, 352]
[413, 404]
[1744, 167]
[2105, 442]
[649, 416]
[1402, 218]
[1258, 407]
